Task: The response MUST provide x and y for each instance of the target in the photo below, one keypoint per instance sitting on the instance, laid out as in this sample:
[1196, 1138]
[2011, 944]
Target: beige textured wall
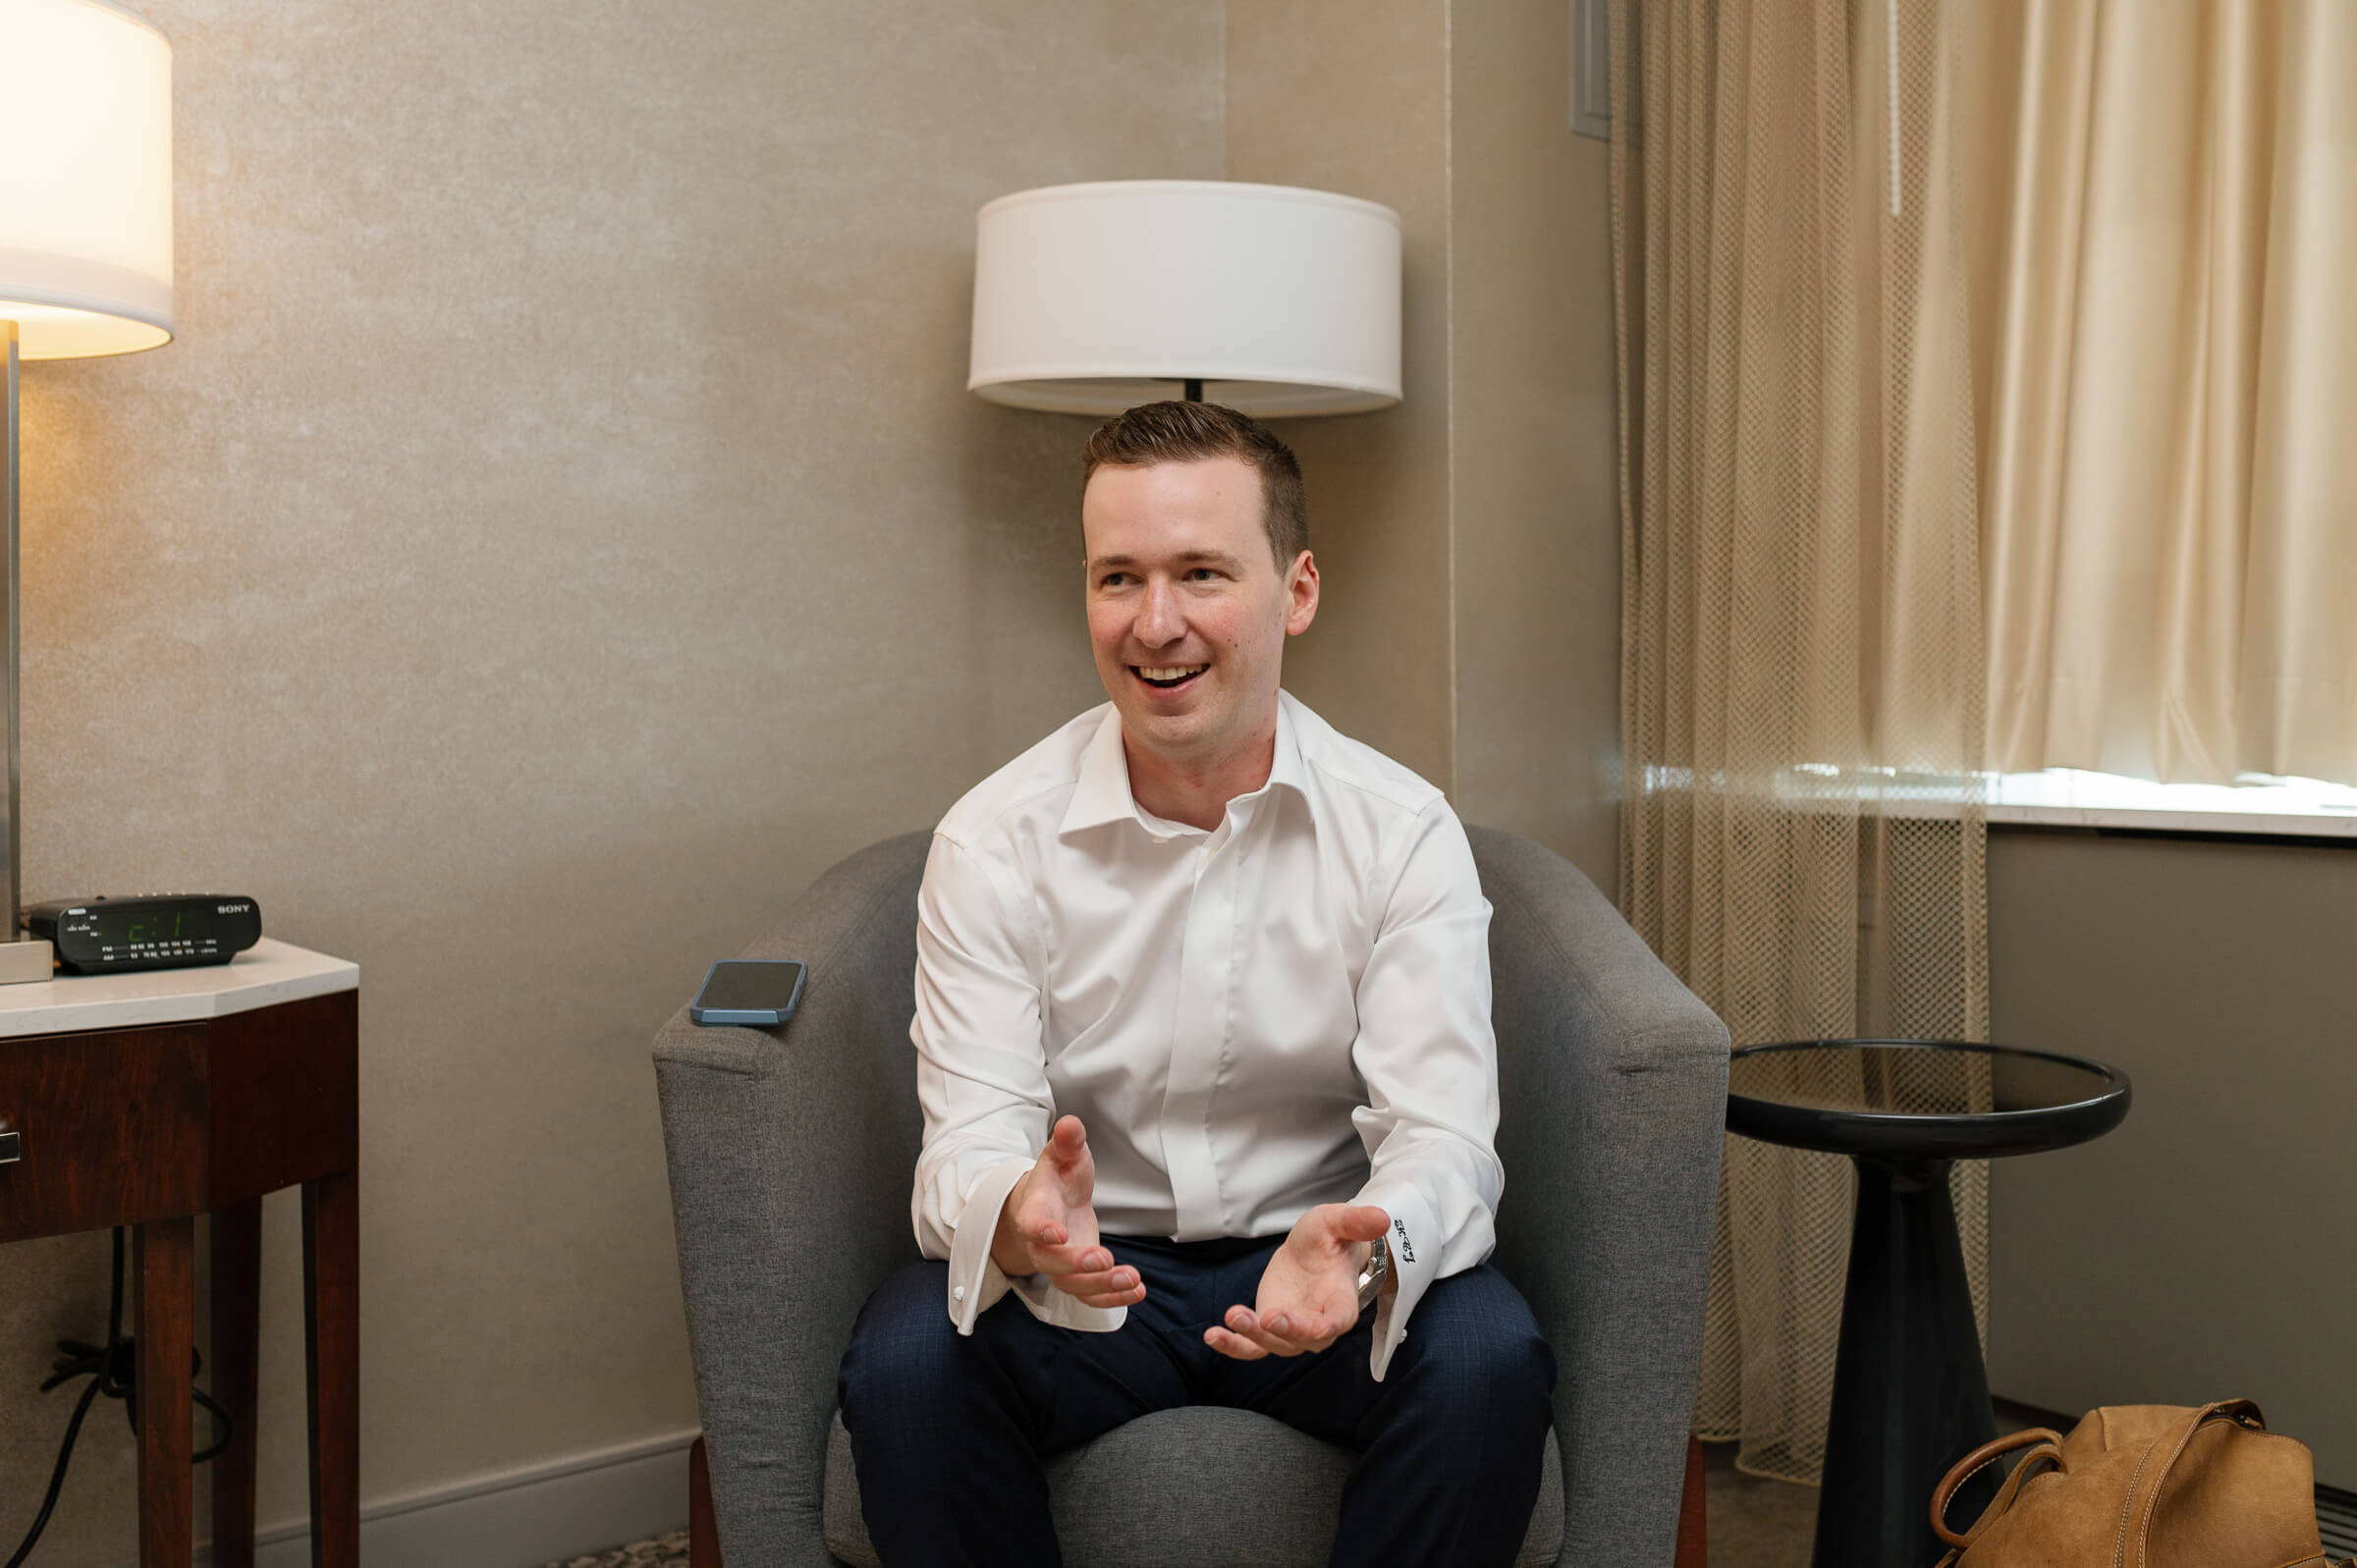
[558, 531]
[1533, 496]
[1352, 95]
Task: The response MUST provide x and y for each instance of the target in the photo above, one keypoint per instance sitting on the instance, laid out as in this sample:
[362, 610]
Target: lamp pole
[10, 842]
[20, 959]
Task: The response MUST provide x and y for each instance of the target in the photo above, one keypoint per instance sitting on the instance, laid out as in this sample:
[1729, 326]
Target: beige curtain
[2161, 196]
[1801, 659]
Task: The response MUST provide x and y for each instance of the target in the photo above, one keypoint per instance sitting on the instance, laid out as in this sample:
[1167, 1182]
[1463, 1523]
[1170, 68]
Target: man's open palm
[1049, 1225]
[1309, 1291]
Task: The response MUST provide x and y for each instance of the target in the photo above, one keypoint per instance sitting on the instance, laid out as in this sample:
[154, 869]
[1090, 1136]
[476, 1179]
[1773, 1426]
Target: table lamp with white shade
[1275, 301]
[86, 255]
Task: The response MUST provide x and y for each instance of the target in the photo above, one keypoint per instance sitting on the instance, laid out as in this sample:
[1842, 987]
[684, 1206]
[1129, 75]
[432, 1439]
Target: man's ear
[1301, 594]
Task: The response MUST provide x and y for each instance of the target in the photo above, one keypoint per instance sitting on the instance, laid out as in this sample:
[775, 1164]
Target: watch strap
[1372, 1274]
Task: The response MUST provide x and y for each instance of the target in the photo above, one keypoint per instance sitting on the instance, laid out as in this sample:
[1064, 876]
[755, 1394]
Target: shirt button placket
[1197, 1044]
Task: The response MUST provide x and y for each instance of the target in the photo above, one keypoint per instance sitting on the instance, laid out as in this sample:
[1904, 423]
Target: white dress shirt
[1287, 1010]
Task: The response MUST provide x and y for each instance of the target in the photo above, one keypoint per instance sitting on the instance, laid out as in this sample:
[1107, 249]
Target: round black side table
[1910, 1391]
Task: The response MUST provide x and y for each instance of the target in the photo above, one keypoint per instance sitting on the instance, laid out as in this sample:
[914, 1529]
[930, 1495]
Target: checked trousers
[949, 1430]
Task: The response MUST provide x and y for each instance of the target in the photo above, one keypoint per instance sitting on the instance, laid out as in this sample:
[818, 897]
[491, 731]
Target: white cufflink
[958, 1293]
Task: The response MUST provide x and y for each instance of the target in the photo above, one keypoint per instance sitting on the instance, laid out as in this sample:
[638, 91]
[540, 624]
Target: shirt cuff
[1415, 1261]
[977, 1283]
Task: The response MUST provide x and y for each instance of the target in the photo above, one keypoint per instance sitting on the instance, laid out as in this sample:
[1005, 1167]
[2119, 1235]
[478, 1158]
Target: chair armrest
[791, 1152]
[1613, 1083]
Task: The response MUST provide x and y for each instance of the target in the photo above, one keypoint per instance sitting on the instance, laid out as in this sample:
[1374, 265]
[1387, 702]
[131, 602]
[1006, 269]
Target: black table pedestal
[1910, 1391]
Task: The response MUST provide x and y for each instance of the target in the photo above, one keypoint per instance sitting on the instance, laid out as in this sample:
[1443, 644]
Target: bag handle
[2242, 1412]
[2048, 1448]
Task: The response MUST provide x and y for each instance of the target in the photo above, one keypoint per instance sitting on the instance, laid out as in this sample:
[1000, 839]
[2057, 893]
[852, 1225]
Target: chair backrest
[868, 980]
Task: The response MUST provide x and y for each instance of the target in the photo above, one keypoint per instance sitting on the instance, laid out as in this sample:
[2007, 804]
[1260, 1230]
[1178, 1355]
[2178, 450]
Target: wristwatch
[1371, 1277]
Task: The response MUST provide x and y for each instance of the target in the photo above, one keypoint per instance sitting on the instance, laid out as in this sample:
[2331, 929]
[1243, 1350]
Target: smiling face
[1187, 611]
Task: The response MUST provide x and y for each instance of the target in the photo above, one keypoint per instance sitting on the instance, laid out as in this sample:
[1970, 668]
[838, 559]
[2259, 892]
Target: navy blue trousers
[949, 1430]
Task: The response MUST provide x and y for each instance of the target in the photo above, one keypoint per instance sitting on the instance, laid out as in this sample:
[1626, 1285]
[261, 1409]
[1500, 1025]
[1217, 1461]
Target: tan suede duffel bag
[2144, 1487]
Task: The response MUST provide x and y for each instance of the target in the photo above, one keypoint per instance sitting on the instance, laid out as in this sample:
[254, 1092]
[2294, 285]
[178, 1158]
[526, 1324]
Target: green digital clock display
[153, 930]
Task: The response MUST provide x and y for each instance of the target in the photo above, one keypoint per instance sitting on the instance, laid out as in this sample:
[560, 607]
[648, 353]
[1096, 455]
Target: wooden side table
[148, 1098]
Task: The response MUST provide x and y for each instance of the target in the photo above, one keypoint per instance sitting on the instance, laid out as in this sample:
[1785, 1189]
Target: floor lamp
[85, 260]
[1275, 301]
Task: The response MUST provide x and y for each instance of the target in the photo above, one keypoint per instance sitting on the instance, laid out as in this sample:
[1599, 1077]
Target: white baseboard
[519, 1518]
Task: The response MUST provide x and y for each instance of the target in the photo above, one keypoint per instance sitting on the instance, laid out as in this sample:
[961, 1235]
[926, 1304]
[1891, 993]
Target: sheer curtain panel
[1801, 655]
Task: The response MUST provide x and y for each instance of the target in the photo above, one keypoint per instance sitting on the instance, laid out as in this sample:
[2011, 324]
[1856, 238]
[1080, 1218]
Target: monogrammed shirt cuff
[1415, 1246]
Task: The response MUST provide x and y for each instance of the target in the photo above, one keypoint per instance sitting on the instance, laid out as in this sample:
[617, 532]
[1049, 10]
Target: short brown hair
[1186, 432]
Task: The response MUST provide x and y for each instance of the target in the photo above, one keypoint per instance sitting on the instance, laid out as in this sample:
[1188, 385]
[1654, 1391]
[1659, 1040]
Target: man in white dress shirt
[1204, 1047]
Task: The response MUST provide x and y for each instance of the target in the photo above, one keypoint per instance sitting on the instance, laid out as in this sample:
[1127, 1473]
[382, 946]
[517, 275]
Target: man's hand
[1309, 1291]
[1048, 1227]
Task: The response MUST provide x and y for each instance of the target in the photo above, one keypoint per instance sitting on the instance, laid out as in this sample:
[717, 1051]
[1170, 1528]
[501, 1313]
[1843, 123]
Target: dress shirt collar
[1102, 794]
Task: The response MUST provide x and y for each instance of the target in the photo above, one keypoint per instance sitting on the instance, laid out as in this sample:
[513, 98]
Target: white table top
[267, 973]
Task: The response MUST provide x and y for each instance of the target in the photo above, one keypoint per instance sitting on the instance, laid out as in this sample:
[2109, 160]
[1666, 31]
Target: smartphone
[749, 991]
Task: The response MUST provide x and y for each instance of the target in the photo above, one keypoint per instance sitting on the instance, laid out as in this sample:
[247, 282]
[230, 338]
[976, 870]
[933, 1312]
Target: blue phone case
[759, 1017]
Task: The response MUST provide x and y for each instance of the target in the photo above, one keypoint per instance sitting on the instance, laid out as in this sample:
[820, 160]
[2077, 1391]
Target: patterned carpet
[663, 1551]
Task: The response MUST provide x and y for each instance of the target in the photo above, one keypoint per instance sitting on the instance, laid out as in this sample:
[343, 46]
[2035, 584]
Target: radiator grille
[2337, 1521]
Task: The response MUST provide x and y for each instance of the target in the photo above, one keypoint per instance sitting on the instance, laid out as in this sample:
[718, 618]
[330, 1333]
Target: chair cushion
[1196, 1487]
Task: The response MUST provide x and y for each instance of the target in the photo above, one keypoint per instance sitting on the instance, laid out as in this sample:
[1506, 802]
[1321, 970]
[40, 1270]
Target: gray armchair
[792, 1152]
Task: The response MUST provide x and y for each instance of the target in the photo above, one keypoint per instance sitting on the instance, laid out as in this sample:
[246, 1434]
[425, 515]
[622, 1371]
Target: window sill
[2063, 797]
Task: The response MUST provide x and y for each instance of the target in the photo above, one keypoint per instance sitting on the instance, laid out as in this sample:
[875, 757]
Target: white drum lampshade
[85, 179]
[1092, 299]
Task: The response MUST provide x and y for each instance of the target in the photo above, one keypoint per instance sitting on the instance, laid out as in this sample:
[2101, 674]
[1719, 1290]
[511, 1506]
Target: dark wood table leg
[703, 1532]
[1694, 1513]
[163, 1271]
[236, 1325]
[331, 1318]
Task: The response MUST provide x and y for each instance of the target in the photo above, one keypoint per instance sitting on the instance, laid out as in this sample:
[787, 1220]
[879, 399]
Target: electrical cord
[112, 1371]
